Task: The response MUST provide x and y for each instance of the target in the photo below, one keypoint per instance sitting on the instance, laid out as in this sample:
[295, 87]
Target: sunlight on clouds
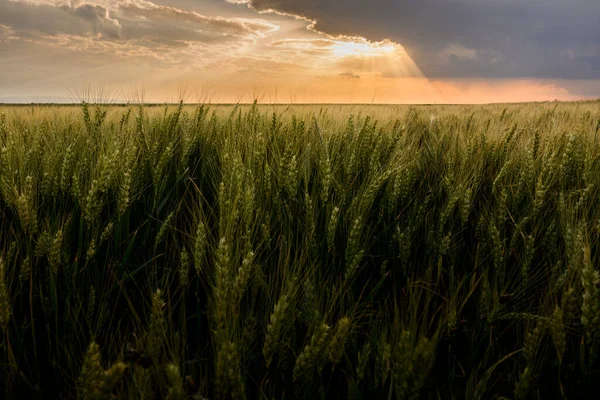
[350, 56]
[363, 48]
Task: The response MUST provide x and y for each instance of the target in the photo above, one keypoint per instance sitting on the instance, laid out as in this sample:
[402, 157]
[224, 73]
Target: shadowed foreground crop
[296, 252]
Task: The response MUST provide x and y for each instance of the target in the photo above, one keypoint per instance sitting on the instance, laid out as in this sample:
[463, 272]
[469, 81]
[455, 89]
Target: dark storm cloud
[469, 38]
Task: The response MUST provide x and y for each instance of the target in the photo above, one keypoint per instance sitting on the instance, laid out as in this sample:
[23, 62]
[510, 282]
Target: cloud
[6, 34]
[302, 44]
[502, 38]
[47, 45]
[98, 17]
[30, 19]
[148, 20]
[139, 21]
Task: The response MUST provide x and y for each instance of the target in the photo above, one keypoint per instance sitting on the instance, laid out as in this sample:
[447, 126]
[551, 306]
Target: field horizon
[262, 103]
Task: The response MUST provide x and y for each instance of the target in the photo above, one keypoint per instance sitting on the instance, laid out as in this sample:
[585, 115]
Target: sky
[300, 51]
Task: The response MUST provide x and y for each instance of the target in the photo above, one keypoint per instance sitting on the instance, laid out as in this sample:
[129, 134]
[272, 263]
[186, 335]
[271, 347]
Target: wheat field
[276, 252]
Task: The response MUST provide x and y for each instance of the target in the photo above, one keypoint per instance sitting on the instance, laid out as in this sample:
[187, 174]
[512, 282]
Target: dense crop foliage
[272, 252]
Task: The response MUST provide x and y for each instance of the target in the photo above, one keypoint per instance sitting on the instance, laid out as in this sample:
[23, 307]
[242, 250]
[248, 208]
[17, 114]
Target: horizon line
[154, 104]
